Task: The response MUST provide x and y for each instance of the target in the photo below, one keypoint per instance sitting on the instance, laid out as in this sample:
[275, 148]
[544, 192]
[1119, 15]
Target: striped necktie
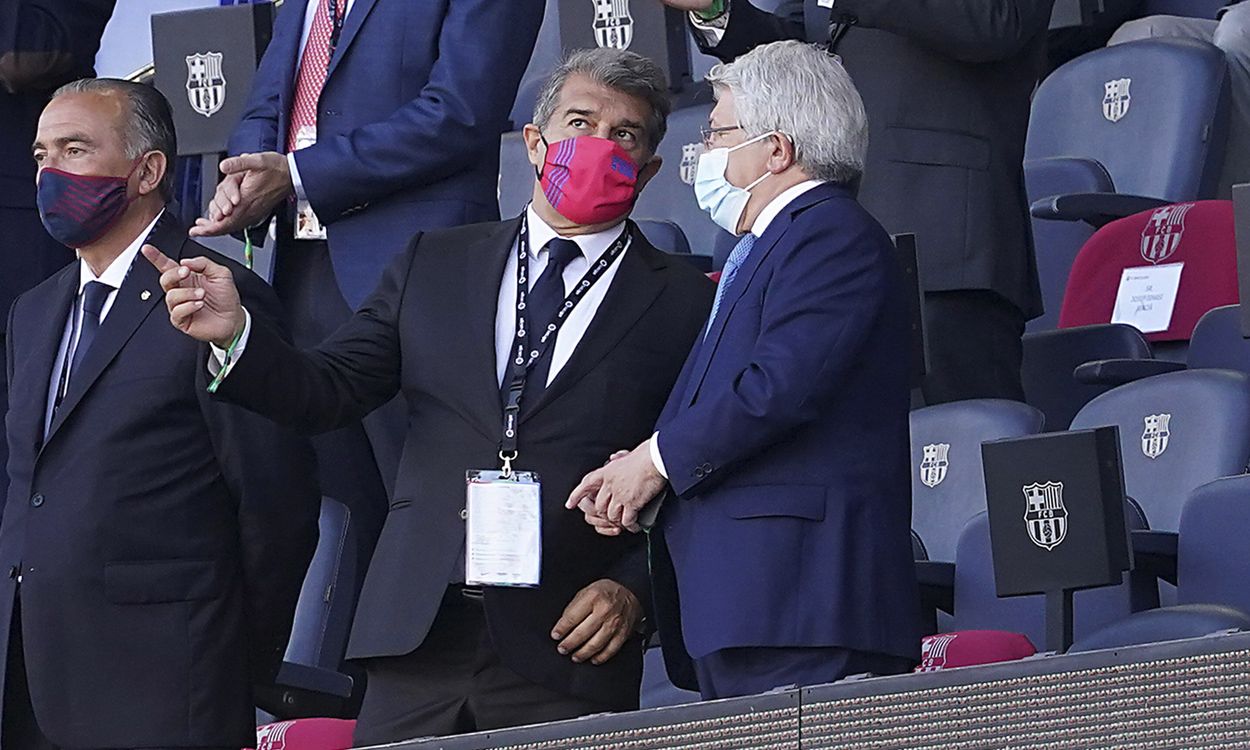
[736, 258]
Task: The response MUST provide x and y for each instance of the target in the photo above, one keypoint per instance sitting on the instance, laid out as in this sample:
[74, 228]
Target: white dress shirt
[114, 275]
[758, 227]
[309, 12]
[593, 247]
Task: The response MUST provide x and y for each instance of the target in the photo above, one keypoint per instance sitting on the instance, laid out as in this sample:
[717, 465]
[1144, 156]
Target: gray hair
[802, 91]
[627, 72]
[149, 125]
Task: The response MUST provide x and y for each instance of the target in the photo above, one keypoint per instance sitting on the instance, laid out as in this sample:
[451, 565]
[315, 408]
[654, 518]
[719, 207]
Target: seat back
[327, 600]
[947, 481]
[966, 648]
[516, 175]
[1058, 242]
[306, 734]
[670, 194]
[656, 689]
[1166, 624]
[543, 60]
[1217, 341]
[1154, 113]
[978, 607]
[1213, 557]
[665, 235]
[1051, 356]
[1190, 8]
[1177, 431]
[1199, 235]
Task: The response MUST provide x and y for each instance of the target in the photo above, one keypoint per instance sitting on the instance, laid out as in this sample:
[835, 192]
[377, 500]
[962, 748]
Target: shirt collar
[593, 246]
[116, 272]
[775, 206]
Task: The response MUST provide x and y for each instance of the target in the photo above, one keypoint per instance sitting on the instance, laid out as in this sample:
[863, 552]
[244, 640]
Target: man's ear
[152, 171]
[534, 147]
[647, 172]
[782, 156]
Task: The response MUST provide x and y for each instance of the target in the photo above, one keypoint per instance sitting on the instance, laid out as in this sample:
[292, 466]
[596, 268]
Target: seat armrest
[1154, 552]
[1121, 371]
[937, 584]
[301, 691]
[1095, 209]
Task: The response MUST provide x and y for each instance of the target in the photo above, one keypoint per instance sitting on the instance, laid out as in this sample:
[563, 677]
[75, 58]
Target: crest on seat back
[934, 464]
[1154, 440]
[690, 161]
[1045, 515]
[1116, 99]
[933, 652]
[206, 84]
[613, 25]
[1162, 234]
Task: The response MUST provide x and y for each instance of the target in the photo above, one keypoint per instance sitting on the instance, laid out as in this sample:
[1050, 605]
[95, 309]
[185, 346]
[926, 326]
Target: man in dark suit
[444, 328]
[382, 119]
[43, 44]
[785, 439]
[154, 540]
[946, 86]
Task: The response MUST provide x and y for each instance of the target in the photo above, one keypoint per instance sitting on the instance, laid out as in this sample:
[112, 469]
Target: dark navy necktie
[94, 296]
[541, 306]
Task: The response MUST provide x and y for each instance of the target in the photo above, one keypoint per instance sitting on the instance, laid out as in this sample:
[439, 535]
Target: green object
[247, 250]
[713, 11]
[225, 365]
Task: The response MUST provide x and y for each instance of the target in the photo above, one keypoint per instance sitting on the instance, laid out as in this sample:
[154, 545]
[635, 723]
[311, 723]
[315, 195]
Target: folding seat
[947, 481]
[1217, 341]
[657, 690]
[966, 648]
[546, 55]
[1190, 8]
[665, 235]
[306, 734]
[1051, 359]
[516, 175]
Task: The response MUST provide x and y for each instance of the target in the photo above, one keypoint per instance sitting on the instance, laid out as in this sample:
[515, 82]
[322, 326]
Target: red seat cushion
[965, 648]
[306, 734]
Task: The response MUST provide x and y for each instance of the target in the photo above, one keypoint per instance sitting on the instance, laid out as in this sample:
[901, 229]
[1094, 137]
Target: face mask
[588, 180]
[79, 209]
[723, 200]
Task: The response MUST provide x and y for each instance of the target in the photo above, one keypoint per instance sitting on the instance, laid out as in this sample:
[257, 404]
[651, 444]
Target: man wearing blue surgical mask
[784, 444]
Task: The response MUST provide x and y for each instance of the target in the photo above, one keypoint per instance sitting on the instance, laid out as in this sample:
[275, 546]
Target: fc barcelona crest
[690, 161]
[1116, 99]
[933, 652]
[1162, 234]
[273, 736]
[1154, 440]
[1044, 514]
[206, 85]
[934, 464]
[614, 26]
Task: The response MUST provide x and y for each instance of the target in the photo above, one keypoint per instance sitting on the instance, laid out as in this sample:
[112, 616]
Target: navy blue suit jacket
[417, 94]
[786, 445]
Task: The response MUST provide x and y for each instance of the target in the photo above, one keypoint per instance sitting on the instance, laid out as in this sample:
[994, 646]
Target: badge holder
[503, 542]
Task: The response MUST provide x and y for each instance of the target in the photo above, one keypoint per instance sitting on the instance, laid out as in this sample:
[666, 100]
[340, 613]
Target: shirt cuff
[710, 32]
[217, 356]
[656, 458]
[295, 180]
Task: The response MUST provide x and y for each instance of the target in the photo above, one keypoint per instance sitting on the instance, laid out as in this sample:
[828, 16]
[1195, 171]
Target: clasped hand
[612, 496]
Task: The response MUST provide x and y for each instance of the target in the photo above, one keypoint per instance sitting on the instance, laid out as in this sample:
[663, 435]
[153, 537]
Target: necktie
[93, 298]
[541, 306]
[313, 66]
[736, 258]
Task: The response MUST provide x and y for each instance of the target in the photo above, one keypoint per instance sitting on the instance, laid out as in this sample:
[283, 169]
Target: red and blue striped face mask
[589, 180]
[78, 209]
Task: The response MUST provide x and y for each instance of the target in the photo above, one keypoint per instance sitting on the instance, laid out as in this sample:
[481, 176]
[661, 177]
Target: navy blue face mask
[79, 209]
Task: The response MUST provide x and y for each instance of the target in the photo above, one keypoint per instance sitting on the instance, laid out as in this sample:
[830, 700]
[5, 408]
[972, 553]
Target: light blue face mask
[723, 200]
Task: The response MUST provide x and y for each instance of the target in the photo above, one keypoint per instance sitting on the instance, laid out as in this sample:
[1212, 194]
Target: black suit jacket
[161, 536]
[428, 331]
[946, 86]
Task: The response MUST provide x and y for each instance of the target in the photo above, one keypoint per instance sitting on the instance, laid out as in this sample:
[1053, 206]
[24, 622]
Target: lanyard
[523, 354]
[336, 22]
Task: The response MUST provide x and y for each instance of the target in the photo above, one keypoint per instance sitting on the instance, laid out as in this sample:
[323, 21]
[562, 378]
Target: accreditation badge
[307, 225]
[504, 540]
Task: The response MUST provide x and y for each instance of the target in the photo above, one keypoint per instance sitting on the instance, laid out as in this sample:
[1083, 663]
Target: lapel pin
[145, 295]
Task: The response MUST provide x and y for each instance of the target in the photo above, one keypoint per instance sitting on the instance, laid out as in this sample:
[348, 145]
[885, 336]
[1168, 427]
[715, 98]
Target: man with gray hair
[528, 353]
[784, 444]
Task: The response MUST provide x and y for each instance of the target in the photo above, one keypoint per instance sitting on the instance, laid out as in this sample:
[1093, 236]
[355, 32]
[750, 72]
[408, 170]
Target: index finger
[574, 614]
[585, 487]
[160, 260]
[241, 163]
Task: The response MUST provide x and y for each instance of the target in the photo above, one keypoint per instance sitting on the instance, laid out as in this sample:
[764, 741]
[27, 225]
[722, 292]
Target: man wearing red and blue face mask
[537, 347]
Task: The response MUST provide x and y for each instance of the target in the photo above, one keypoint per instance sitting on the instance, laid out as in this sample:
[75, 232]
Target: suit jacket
[162, 537]
[947, 88]
[786, 444]
[428, 331]
[417, 94]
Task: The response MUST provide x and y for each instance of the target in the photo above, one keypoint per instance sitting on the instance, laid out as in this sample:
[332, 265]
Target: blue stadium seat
[1051, 357]
[947, 481]
[516, 175]
[1217, 341]
[1166, 624]
[656, 689]
[1177, 431]
[665, 235]
[1213, 558]
[1190, 8]
[546, 55]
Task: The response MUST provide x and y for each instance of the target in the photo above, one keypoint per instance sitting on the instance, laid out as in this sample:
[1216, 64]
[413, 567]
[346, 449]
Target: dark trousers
[734, 672]
[455, 683]
[973, 339]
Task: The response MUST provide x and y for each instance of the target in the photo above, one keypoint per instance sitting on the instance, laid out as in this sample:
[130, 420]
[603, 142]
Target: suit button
[699, 472]
[464, 514]
[36, 499]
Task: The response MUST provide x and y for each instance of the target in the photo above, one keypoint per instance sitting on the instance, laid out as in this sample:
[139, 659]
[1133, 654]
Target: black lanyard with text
[520, 360]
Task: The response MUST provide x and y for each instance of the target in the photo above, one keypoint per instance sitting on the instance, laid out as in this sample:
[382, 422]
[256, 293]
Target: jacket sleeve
[968, 30]
[258, 128]
[749, 27]
[271, 474]
[350, 374]
[484, 47]
[631, 571]
[44, 43]
[820, 305]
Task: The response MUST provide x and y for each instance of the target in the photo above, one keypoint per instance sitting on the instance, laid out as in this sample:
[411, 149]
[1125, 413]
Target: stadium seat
[1166, 624]
[948, 485]
[657, 690]
[1217, 341]
[306, 734]
[516, 175]
[1177, 431]
[1190, 8]
[1213, 558]
[665, 235]
[966, 648]
[1051, 358]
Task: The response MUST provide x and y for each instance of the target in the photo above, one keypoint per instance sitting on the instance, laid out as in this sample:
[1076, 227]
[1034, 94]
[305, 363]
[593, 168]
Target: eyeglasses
[710, 133]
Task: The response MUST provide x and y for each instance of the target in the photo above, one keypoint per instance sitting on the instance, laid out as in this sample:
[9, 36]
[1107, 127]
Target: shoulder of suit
[47, 286]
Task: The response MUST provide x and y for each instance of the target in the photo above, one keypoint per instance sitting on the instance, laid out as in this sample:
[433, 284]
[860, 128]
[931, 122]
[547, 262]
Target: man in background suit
[784, 557]
[154, 541]
[946, 85]
[442, 328]
[43, 44]
[384, 116]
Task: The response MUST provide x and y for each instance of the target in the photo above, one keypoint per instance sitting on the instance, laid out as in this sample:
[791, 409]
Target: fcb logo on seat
[1154, 440]
[933, 652]
[1162, 234]
[1116, 99]
[614, 26]
[690, 161]
[206, 85]
[934, 463]
[1044, 514]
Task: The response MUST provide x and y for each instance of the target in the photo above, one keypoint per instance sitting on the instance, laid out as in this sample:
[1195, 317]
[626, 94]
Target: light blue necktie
[736, 258]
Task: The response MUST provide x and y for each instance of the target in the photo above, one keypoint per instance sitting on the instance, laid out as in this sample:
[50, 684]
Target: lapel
[763, 246]
[484, 273]
[48, 330]
[129, 310]
[633, 290]
[351, 26]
